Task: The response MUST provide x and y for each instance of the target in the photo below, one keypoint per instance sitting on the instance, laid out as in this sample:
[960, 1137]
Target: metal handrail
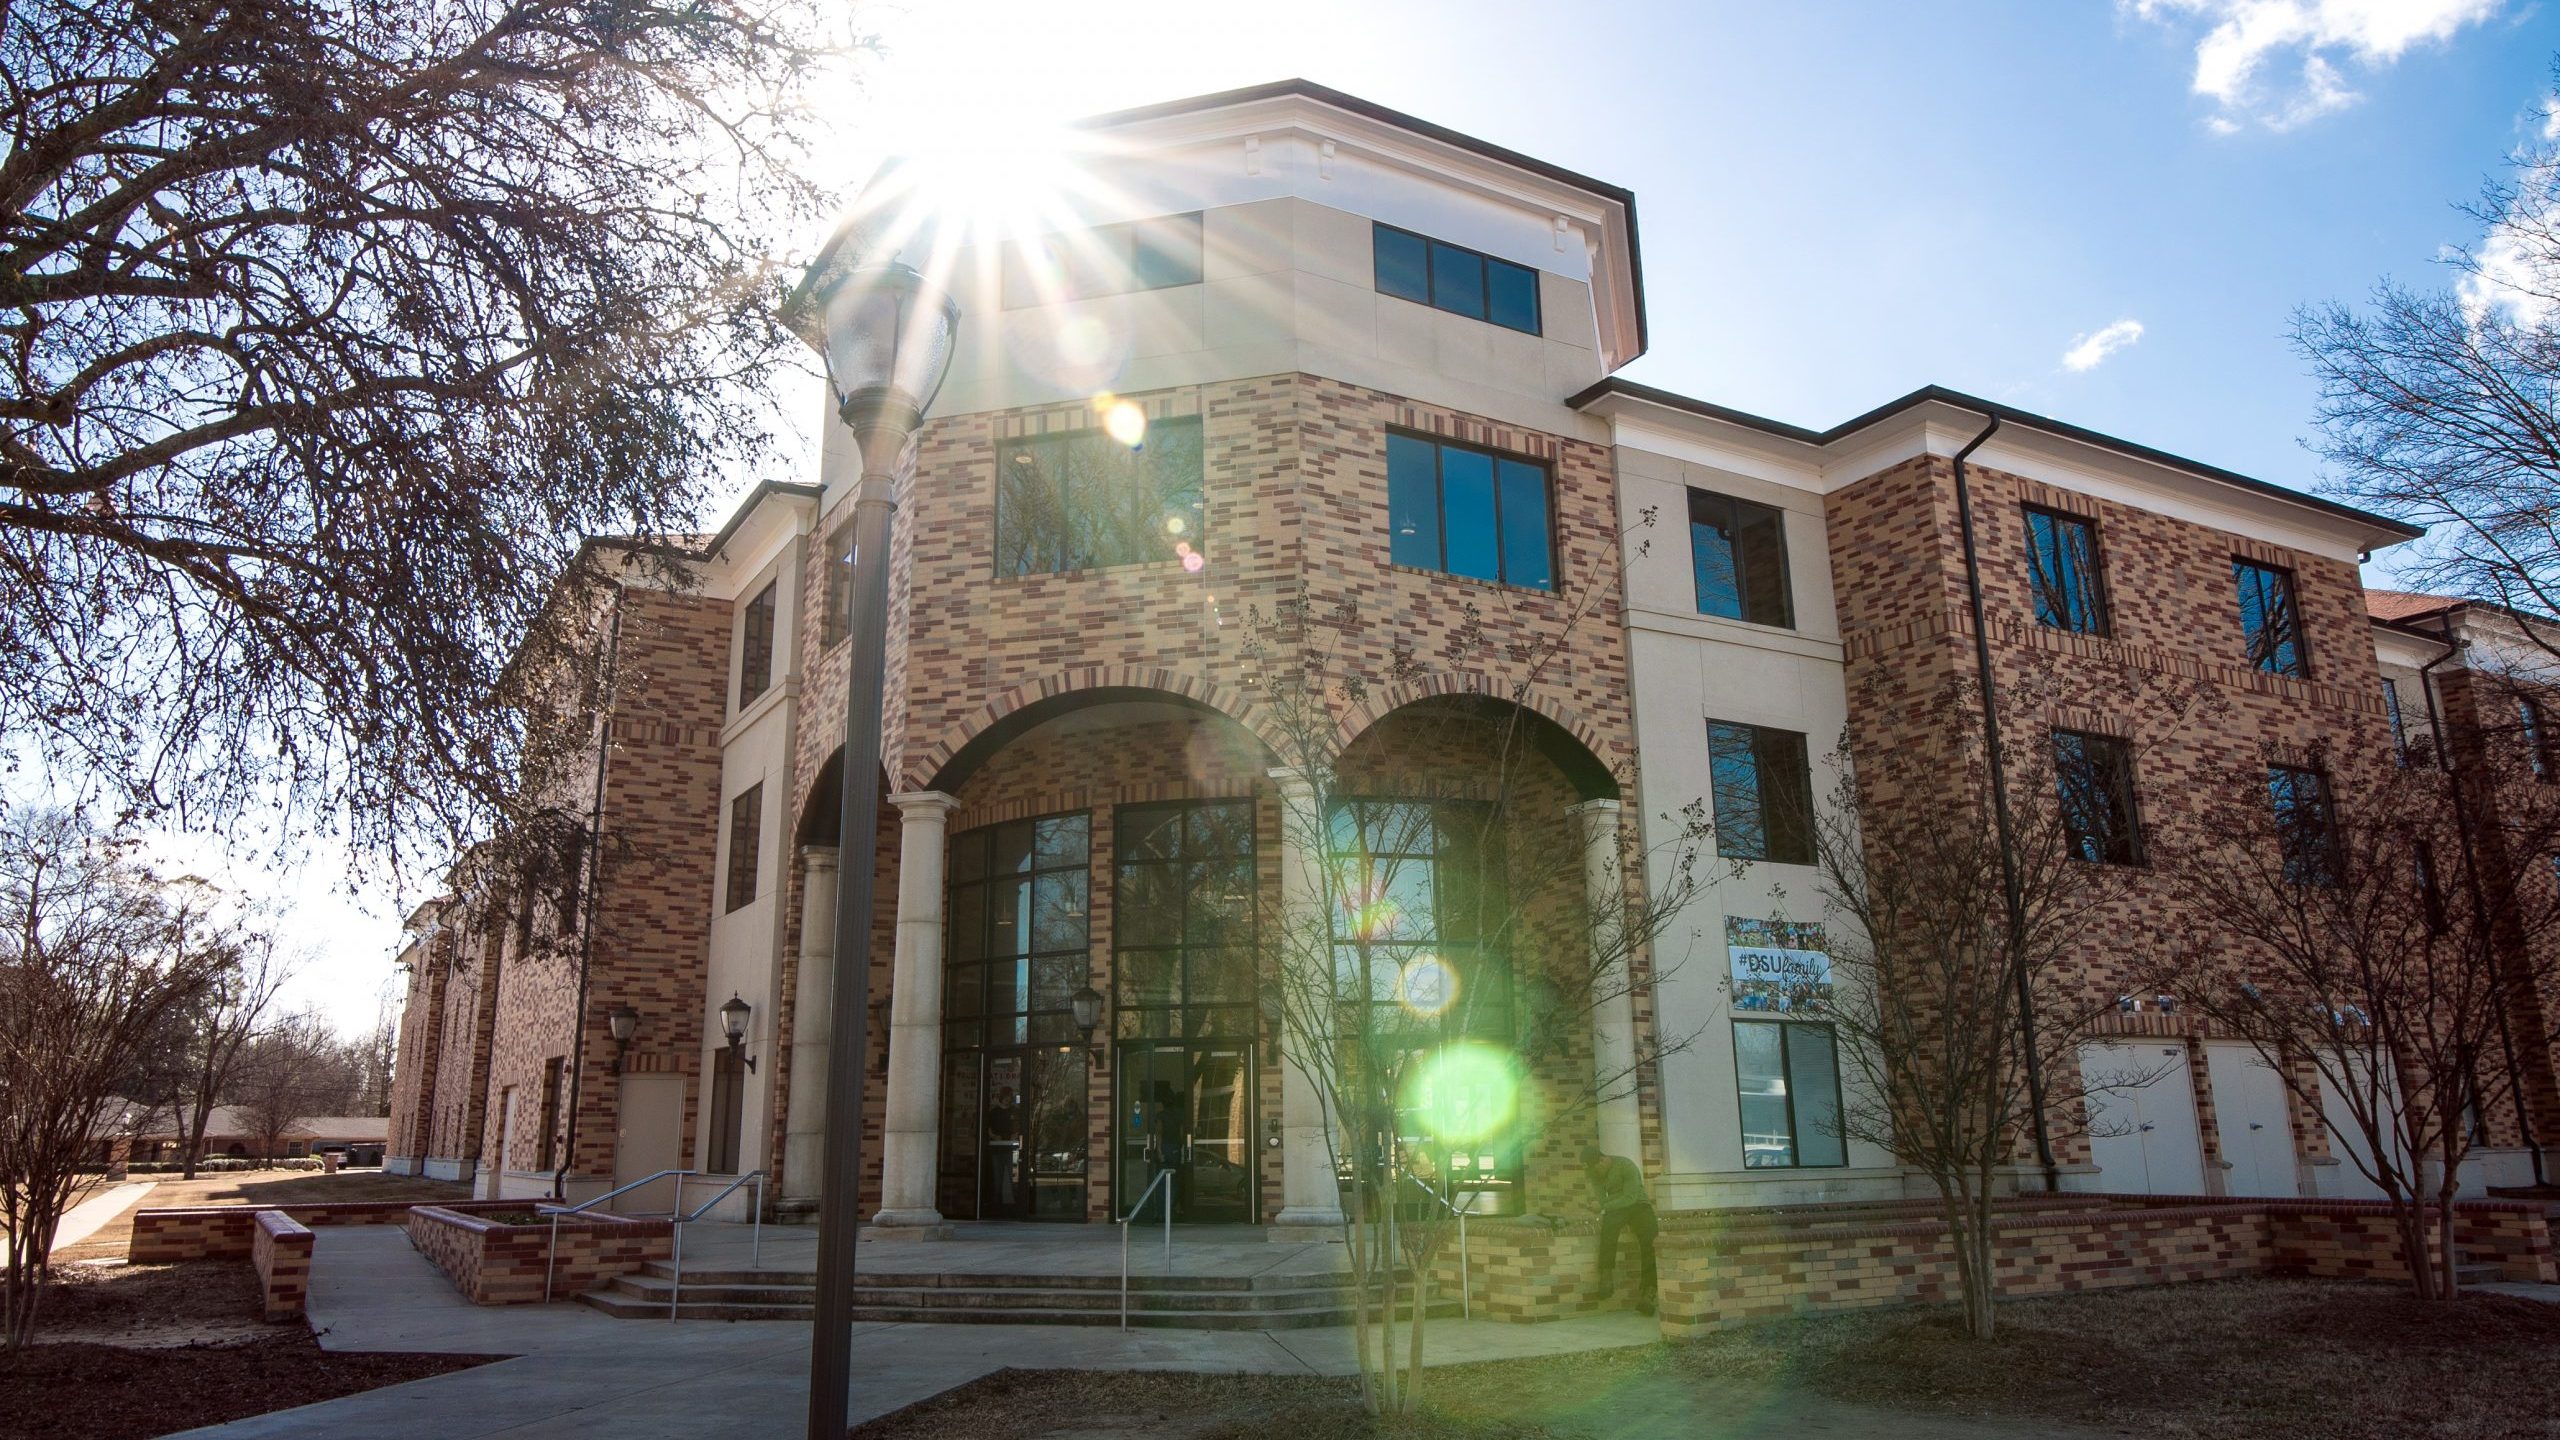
[676, 1218]
[1466, 1273]
[755, 1259]
[1164, 1182]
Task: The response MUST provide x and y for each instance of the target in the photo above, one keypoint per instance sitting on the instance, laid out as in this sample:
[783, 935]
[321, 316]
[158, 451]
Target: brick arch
[927, 769]
[1596, 778]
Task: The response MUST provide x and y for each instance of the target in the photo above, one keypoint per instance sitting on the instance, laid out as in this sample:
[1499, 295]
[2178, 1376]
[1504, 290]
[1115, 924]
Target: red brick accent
[224, 1232]
[494, 1264]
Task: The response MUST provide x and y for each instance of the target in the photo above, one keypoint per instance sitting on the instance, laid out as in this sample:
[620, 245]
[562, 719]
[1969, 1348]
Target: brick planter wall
[1722, 1268]
[281, 1249]
[493, 1264]
[224, 1232]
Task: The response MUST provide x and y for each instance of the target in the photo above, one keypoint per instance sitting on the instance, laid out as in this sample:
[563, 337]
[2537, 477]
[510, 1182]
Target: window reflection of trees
[1083, 501]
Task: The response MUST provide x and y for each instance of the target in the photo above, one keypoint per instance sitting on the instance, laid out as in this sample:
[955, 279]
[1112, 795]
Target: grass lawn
[128, 1351]
[2279, 1359]
[255, 1187]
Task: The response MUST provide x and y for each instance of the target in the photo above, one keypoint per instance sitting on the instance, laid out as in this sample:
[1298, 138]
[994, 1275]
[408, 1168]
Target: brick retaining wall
[494, 1264]
[224, 1232]
[281, 1249]
[1727, 1267]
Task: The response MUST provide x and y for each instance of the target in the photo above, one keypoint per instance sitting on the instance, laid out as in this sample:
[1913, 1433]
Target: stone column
[813, 995]
[1309, 1193]
[912, 1136]
[1613, 1012]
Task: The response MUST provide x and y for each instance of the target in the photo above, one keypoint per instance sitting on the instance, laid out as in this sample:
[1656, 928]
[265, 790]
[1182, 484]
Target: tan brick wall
[281, 1250]
[494, 1264]
[2170, 677]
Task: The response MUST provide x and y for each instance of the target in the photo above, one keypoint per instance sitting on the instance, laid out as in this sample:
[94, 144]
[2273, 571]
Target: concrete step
[945, 1280]
[1290, 1317]
[1260, 1302]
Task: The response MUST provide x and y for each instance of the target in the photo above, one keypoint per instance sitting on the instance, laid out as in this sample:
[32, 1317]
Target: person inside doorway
[1625, 1209]
[1004, 1150]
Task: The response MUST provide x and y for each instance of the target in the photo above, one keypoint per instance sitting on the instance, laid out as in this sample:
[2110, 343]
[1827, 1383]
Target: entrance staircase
[1189, 1302]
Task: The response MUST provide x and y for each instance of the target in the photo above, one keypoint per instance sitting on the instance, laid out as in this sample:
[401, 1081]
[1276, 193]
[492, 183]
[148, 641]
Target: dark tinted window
[1738, 558]
[2399, 727]
[2062, 572]
[1468, 512]
[1456, 279]
[746, 838]
[2093, 778]
[1083, 501]
[1146, 254]
[1763, 793]
[1404, 265]
[755, 646]
[2306, 828]
[1788, 1079]
[2270, 622]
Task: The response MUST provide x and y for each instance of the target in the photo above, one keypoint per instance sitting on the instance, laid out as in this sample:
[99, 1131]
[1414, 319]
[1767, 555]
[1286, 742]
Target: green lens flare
[1465, 1092]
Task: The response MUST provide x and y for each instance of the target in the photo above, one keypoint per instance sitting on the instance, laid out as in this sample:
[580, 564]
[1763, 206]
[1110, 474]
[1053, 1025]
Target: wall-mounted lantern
[733, 1025]
[624, 1023]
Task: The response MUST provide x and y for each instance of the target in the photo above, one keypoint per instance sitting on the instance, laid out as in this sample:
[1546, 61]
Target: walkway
[86, 1218]
[583, 1374]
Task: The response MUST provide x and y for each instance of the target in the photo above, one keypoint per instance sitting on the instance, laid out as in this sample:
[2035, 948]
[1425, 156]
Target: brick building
[1305, 358]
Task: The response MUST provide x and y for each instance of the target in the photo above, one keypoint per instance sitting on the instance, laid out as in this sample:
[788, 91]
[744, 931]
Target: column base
[1304, 1225]
[895, 1226]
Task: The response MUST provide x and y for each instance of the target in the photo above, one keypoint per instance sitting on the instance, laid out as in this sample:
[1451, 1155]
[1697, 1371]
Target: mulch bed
[128, 1351]
[2267, 1359]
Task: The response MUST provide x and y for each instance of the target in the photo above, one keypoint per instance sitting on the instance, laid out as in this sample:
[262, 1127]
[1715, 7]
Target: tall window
[1456, 279]
[838, 620]
[1468, 512]
[1082, 500]
[2093, 775]
[2537, 736]
[2270, 621]
[1105, 260]
[1763, 793]
[755, 646]
[1182, 919]
[2306, 824]
[746, 837]
[2062, 572]
[554, 1071]
[1421, 905]
[1738, 557]
[2399, 728]
[1018, 936]
[1788, 1076]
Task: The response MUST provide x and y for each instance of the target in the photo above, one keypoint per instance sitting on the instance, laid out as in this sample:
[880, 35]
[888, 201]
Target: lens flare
[1124, 422]
[1427, 986]
[1465, 1092]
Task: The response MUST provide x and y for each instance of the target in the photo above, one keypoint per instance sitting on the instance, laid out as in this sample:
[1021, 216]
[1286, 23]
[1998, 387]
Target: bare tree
[2437, 405]
[331, 329]
[1962, 921]
[89, 975]
[381, 1051]
[220, 1022]
[291, 1070]
[2372, 952]
[1439, 964]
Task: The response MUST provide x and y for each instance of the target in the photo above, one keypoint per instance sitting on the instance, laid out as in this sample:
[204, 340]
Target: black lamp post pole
[849, 1035]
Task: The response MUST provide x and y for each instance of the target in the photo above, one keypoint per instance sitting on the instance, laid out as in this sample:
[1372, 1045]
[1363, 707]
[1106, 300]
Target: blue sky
[1839, 202]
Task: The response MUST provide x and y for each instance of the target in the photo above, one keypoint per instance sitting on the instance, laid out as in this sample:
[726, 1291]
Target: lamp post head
[1087, 1005]
[733, 1020]
[624, 1022]
[888, 335]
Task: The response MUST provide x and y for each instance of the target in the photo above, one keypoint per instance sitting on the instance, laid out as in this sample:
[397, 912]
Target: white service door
[2143, 1137]
[2250, 1104]
[650, 1138]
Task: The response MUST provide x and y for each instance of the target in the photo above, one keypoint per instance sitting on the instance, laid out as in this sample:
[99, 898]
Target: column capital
[1291, 777]
[818, 857]
[921, 804]
[1601, 806]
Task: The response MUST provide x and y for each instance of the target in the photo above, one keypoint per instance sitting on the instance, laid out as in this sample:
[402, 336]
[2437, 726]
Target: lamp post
[624, 1023]
[888, 336]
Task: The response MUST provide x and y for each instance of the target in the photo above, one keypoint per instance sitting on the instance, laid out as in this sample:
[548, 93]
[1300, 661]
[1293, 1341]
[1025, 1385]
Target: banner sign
[1777, 964]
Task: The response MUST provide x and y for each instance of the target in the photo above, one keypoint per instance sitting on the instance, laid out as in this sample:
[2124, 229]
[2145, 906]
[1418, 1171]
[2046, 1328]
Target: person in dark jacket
[1625, 1209]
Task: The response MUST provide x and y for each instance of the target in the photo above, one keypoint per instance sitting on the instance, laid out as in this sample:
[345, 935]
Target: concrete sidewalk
[579, 1373]
[92, 1215]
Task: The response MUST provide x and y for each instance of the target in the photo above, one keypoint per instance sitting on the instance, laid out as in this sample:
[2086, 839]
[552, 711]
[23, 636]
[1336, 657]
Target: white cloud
[2241, 61]
[2089, 351]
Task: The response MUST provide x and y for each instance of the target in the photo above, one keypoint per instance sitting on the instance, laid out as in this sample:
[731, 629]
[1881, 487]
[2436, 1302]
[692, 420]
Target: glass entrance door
[1031, 1135]
[1188, 1108]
